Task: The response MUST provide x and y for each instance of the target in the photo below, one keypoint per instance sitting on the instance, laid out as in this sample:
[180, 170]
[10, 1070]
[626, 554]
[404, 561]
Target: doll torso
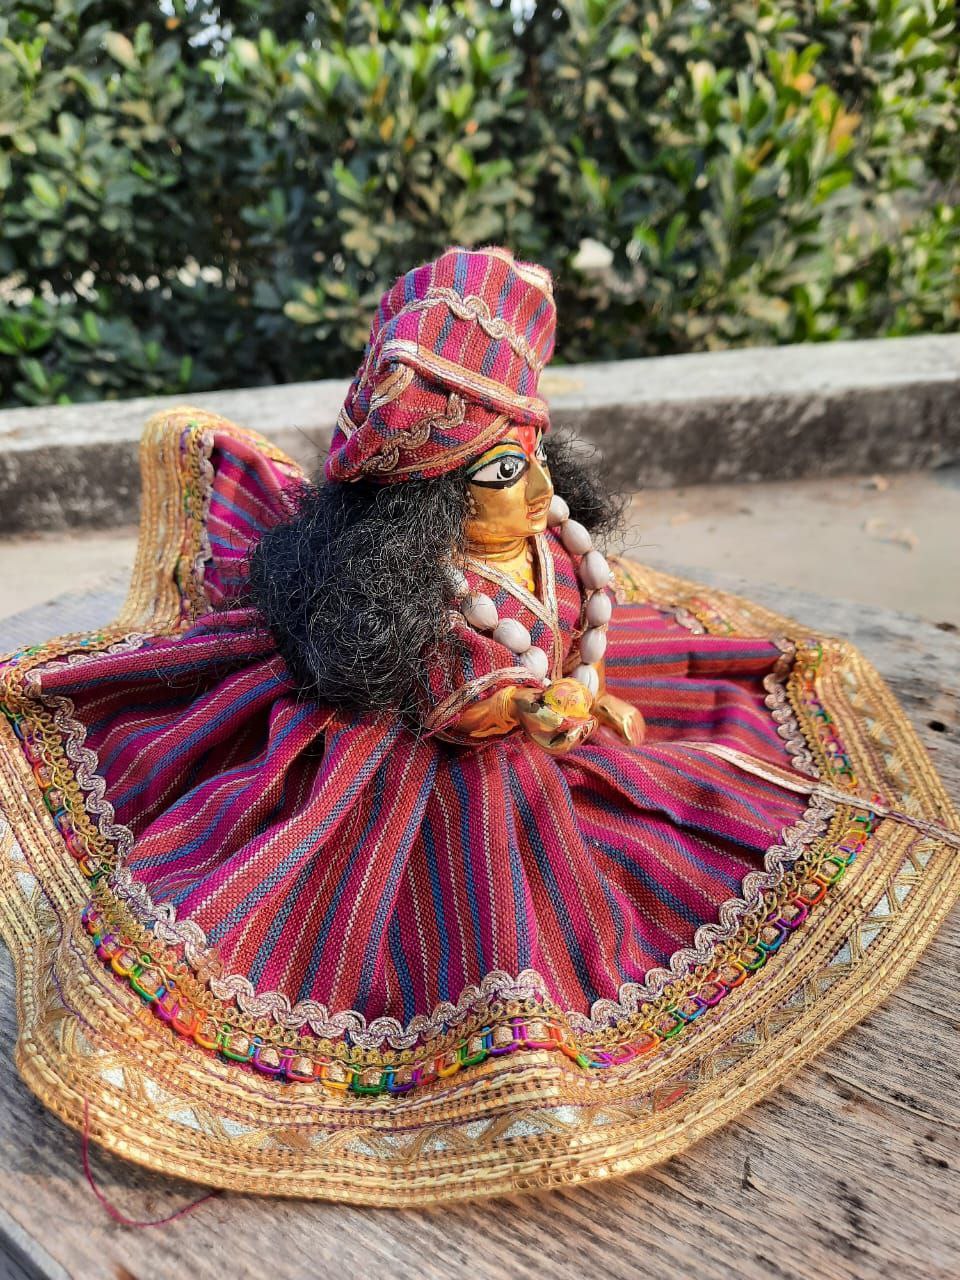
[552, 613]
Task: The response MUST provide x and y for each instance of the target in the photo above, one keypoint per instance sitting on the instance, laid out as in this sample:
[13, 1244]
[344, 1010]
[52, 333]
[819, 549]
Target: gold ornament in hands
[559, 718]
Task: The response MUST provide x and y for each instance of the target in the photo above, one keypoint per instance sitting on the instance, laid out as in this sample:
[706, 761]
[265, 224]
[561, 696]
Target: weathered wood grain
[849, 1171]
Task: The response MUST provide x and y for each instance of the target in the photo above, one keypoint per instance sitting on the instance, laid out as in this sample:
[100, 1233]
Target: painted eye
[500, 472]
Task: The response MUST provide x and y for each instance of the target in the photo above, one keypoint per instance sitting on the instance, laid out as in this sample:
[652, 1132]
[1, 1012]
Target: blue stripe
[169, 859]
[224, 544]
[463, 795]
[599, 755]
[244, 515]
[316, 955]
[666, 833]
[388, 893]
[713, 714]
[181, 895]
[618, 920]
[535, 319]
[658, 890]
[433, 871]
[505, 289]
[445, 330]
[718, 789]
[183, 745]
[402, 971]
[96, 727]
[314, 836]
[691, 656]
[223, 448]
[553, 889]
[517, 875]
[107, 761]
[195, 667]
[460, 273]
[190, 797]
[493, 348]
[279, 922]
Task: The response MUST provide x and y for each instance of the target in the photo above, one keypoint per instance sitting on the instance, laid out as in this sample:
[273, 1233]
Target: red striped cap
[453, 361]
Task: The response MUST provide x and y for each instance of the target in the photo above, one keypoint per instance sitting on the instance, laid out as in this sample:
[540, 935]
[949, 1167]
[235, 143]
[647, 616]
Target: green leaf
[246, 53]
[120, 49]
[44, 190]
[35, 372]
[300, 312]
[461, 162]
[361, 241]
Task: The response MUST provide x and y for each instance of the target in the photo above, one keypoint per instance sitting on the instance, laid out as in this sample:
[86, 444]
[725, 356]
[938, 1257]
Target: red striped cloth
[341, 858]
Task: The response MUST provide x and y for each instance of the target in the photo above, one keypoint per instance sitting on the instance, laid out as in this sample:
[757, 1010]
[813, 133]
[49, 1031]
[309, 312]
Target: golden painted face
[510, 488]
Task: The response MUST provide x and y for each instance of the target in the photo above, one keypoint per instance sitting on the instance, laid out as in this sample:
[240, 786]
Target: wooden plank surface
[850, 1170]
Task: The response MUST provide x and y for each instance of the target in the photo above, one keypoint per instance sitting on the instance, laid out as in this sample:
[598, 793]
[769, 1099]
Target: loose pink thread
[115, 1213]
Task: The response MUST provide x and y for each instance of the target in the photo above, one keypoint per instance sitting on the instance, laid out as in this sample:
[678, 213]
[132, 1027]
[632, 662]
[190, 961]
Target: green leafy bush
[198, 195]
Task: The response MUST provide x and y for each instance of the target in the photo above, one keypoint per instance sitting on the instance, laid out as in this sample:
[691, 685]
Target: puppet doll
[395, 845]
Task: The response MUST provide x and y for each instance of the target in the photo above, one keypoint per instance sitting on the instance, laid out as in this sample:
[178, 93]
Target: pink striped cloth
[339, 857]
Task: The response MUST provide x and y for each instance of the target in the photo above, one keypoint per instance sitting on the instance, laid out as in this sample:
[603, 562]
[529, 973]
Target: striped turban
[454, 357]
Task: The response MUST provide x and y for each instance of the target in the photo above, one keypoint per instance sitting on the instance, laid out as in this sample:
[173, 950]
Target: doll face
[510, 489]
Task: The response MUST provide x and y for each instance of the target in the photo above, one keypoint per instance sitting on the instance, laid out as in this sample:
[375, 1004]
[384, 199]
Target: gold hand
[620, 716]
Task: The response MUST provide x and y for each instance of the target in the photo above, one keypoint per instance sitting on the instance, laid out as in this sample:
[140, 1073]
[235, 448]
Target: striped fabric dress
[341, 859]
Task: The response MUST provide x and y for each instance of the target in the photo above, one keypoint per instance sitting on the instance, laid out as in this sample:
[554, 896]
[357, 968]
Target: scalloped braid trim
[770, 773]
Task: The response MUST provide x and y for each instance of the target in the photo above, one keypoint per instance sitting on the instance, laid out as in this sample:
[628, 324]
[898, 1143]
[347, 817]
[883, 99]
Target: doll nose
[539, 485]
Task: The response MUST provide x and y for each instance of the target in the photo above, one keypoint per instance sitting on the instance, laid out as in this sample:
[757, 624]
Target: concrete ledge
[755, 414]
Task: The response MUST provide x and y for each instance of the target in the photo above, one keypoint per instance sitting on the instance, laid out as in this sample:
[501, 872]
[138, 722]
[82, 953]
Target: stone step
[754, 414]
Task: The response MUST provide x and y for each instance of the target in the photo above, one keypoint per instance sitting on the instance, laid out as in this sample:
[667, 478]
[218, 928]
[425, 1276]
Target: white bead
[593, 644]
[594, 570]
[599, 609]
[576, 538]
[536, 662]
[513, 634]
[559, 511]
[587, 677]
[480, 612]
[458, 582]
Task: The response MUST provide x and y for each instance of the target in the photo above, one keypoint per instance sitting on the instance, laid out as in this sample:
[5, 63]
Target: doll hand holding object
[559, 718]
[625, 720]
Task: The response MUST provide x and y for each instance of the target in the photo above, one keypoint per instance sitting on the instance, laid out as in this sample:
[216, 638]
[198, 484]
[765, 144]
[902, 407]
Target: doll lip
[538, 509]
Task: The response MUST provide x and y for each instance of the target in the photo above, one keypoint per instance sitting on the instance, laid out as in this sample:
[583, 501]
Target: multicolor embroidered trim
[803, 684]
[512, 1025]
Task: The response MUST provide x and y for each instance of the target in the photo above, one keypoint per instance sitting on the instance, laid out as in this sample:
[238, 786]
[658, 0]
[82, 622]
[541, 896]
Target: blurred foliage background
[199, 195]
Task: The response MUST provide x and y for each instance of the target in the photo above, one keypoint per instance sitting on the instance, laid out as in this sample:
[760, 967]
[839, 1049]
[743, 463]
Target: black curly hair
[354, 589]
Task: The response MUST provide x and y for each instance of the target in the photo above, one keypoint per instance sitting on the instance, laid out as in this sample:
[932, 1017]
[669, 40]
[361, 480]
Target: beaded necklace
[480, 612]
